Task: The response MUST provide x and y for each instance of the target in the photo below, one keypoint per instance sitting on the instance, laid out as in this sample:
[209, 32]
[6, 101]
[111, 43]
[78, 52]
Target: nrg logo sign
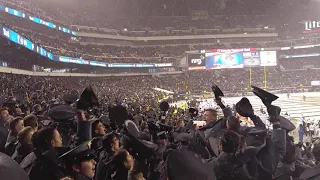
[196, 61]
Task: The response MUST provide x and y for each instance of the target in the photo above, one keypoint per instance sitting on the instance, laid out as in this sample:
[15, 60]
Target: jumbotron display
[239, 58]
[232, 58]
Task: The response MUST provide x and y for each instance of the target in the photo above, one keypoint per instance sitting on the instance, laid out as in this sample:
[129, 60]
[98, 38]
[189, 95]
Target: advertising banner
[231, 51]
[17, 38]
[14, 12]
[163, 64]
[36, 19]
[40, 21]
[96, 63]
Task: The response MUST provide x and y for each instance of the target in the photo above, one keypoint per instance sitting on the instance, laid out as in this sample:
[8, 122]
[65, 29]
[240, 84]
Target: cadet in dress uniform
[80, 162]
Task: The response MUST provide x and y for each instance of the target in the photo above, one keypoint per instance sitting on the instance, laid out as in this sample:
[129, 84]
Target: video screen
[233, 59]
[251, 59]
[268, 58]
[220, 61]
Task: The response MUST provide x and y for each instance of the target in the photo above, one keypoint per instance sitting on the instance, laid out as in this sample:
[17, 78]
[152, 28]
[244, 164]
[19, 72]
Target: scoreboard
[239, 58]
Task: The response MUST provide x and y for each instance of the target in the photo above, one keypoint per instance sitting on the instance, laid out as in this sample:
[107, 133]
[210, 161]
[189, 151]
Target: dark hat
[148, 144]
[165, 127]
[46, 123]
[273, 112]
[152, 126]
[118, 115]
[61, 112]
[244, 107]
[136, 147]
[266, 97]
[182, 137]
[161, 135]
[254, 136]
[87, 99]
[132, 128]
[164, 106]
[81, 153]
[193, 112]
[256, 131]
[286, 124]
[10, 169]
[217, 91]
[70, 98]
[184, 164]
[145, 136]
[11, 100]
[310, 173]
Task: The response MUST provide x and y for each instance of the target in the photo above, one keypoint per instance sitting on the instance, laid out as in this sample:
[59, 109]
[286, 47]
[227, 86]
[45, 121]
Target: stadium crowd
[123, 127]
[39, 117]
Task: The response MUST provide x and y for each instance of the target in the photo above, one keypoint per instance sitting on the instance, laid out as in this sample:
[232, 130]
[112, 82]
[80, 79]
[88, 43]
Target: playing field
[294, 105]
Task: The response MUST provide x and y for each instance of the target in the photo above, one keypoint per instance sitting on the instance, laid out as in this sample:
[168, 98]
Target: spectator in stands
[98, 129]
[180, 123]
[111, 146]
[16, 125]
[80, 162]
[122, 163]
[25, 145]
[4, 128]
[32, 121]
[37, 109]
[47, 141]
[210, 115]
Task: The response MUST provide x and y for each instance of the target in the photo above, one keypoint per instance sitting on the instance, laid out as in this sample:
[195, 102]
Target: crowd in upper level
[59, 45]
[86, 16]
